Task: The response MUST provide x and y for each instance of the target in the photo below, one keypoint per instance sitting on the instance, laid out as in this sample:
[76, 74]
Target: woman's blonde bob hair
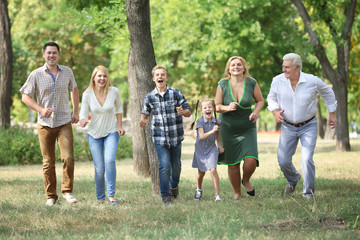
[227, 74]
[95, 71]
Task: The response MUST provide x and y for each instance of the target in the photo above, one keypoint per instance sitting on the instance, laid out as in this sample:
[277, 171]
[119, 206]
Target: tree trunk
[320, 121]
[342, 131]
[140, 63]
[6, 63]
[338, 78]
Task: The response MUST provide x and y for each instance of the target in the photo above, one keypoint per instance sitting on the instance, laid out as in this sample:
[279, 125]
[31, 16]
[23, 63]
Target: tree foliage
[36, 22]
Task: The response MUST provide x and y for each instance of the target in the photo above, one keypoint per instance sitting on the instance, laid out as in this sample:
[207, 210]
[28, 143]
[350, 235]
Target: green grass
[333, 214]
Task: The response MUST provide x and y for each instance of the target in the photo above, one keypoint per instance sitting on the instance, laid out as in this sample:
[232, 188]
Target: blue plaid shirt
[166, 125]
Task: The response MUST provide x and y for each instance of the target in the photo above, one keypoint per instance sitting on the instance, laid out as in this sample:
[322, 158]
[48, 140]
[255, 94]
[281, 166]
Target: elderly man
[292, 100]
[51, 84]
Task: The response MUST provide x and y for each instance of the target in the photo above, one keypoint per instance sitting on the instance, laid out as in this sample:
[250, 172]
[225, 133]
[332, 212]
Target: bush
[125, 149]
[81, 147]
[19, 146]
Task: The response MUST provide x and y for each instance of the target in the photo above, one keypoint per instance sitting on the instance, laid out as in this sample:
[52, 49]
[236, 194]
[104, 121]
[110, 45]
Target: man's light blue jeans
[289, 138]
[169, 167]
[103, 151]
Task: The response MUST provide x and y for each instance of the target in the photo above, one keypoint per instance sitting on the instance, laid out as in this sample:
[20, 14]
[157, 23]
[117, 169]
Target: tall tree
[340, 30]
[140, 63]
[6, 62]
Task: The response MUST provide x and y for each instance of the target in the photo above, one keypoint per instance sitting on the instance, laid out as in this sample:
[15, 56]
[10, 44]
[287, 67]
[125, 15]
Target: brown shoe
[166, 200]
[174, 192]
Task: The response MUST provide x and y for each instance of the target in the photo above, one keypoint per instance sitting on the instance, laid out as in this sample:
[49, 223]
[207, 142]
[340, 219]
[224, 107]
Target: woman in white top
[104, 131]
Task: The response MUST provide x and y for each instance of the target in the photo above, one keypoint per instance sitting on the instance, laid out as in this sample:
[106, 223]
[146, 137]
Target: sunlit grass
[141, 215]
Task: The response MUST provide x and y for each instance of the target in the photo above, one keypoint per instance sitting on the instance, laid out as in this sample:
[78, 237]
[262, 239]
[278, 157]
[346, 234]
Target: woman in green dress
[238, 135]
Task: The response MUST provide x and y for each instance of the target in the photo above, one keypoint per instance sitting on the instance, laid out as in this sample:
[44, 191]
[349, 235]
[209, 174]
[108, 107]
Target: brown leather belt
[299, 124]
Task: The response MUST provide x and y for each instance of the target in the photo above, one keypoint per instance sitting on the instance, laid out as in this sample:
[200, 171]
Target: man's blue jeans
[288, 142]
[103, 151]
[169, 167]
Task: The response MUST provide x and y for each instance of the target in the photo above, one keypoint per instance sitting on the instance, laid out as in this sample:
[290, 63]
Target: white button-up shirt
[299, 105]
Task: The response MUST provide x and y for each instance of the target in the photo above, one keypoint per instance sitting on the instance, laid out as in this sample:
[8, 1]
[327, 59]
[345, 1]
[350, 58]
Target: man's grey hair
[295, 57]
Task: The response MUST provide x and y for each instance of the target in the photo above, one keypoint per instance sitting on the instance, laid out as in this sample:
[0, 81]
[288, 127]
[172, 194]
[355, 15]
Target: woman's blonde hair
[201, 102]
[95, 71]
[227, 74]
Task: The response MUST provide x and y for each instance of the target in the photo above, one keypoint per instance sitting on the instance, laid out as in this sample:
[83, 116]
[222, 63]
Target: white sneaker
[70, 198]
[50, 202]
[198, 194]
[217, 198]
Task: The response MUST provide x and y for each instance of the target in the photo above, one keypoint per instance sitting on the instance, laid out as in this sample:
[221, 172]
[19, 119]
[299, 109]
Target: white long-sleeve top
[103, 118]
[299, 105]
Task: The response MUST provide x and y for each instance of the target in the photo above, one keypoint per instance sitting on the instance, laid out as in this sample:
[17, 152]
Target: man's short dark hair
[51, 44]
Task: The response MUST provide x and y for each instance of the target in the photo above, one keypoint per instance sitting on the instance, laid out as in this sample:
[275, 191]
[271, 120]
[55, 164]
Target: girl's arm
[204, 136]
[221, 149]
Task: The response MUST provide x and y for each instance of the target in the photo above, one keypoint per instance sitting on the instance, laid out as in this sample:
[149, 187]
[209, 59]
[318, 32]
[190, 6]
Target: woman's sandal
[251, 193]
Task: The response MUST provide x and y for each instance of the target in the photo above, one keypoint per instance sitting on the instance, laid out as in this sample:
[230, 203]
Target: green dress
[237, 133]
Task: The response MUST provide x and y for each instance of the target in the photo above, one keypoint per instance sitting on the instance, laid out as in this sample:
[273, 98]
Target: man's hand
[75, 118]
[46, 112]
[278, 115]
[332, 120]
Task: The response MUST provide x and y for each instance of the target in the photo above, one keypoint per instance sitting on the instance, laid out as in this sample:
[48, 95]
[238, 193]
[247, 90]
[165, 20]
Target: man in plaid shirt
[51, 84]
[167, 105]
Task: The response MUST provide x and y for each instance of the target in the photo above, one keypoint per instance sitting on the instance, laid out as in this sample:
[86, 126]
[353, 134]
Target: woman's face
[236, 68]
[100, 79]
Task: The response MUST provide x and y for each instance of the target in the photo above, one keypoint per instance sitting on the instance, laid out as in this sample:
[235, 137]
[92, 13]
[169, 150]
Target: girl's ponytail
[214, 106]
[192, 125]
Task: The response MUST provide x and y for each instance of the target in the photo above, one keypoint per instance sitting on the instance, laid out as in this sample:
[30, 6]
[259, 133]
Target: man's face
[290, 71]
[51, 55]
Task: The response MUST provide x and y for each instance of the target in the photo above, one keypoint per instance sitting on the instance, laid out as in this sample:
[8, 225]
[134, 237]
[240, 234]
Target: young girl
[206, 152]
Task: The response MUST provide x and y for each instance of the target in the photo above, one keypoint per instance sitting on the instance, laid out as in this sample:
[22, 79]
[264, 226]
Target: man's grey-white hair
[295, 57]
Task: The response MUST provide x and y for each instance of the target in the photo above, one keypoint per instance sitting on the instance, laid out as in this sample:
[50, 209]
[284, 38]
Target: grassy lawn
[333, 214]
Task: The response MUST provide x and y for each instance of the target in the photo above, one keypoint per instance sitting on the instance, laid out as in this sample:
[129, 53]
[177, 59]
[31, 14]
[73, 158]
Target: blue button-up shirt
[166, 125]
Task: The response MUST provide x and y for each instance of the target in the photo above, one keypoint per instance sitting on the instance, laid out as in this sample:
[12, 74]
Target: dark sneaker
[174, 192]
[166, 200]
[198, 194]
[289, 189]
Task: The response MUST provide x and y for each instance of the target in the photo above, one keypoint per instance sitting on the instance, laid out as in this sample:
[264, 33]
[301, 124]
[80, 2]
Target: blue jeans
[169, 167]
[103, 151]
[288, 142]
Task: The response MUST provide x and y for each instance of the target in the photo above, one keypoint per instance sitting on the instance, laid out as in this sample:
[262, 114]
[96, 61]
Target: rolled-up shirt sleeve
[146, 106]
[327, 94]
[272, 97]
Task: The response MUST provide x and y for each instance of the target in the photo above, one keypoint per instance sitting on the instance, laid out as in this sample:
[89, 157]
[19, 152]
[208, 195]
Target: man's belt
[299, 124]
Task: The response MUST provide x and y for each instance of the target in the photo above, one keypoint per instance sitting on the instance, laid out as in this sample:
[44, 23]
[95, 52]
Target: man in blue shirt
[167, 105]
